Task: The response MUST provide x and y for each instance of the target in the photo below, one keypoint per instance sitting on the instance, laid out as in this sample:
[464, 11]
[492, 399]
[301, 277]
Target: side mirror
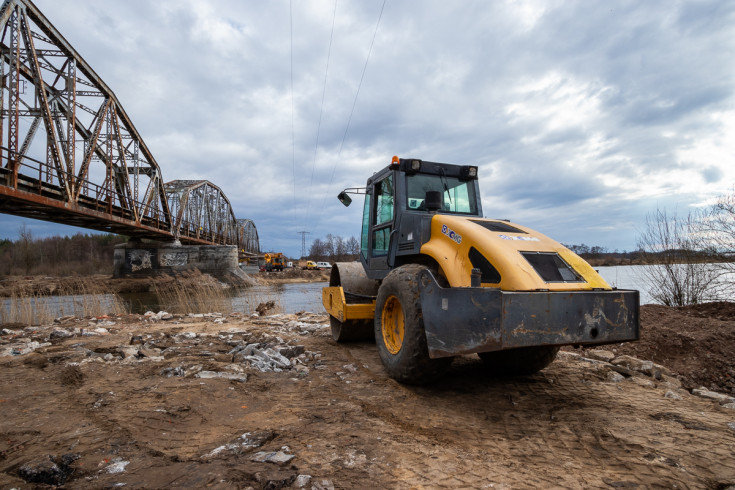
[344, 198]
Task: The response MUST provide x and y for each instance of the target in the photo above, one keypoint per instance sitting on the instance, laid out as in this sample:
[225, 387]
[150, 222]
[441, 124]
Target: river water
[295, 297]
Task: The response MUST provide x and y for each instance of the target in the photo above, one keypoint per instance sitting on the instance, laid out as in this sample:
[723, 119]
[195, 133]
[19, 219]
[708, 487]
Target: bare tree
[679, 271]
[25, 242]
[353, 247]
[715, 229]
[334, 249]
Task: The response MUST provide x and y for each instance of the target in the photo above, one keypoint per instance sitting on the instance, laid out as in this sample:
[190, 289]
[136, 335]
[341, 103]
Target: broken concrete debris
[117, 466]
[275, 457]
[721, 398]
[50, 471]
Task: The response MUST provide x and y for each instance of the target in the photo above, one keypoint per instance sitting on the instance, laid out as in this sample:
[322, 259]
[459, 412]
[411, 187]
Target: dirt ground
[271, 402]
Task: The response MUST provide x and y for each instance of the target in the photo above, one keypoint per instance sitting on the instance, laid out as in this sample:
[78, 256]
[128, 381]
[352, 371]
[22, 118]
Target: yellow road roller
[437, 280]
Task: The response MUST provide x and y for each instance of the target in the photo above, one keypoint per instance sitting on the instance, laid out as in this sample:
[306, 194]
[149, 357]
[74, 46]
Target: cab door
[382, 208]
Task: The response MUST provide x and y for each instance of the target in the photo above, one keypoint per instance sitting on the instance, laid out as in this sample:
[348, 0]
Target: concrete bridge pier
[144, 259]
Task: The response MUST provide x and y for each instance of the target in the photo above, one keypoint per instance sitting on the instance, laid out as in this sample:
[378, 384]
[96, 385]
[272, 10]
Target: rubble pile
[256, 344]
[644, 373]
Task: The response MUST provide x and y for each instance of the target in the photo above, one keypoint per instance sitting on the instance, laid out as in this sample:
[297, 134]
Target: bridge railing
[38, 179]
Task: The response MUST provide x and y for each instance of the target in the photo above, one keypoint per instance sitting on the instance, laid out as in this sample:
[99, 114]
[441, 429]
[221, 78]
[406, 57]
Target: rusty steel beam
[202, 211]
[248, 237]
[89, 168]
[41, 74]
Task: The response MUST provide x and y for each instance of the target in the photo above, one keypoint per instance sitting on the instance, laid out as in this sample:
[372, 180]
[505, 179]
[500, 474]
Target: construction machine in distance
[437, 280]
[274, 261]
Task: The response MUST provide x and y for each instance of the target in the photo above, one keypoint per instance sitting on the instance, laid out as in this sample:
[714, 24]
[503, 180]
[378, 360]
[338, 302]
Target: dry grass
[78, 297]
[192, 292]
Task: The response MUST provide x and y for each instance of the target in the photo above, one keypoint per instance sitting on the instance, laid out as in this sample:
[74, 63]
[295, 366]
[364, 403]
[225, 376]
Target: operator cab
[400, 201]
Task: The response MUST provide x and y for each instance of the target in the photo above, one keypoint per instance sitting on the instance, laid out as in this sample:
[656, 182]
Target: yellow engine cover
[452, 237]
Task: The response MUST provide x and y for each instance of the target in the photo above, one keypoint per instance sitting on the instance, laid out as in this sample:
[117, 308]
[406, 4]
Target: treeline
[601, 256]
[82, 254]
[334, 249]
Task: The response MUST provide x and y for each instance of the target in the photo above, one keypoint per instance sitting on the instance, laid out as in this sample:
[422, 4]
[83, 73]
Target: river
[295, 297]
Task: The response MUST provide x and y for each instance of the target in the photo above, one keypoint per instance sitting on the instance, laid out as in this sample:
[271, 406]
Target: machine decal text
[451, 234]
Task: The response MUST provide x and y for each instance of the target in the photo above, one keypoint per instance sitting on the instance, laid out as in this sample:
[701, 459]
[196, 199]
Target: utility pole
[303, 242]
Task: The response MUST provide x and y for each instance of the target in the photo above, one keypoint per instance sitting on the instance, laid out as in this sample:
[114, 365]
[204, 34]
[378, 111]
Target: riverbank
[13, 286]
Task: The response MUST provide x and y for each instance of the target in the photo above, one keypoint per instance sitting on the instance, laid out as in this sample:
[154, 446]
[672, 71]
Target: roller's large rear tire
[399, 329]
[519, 362]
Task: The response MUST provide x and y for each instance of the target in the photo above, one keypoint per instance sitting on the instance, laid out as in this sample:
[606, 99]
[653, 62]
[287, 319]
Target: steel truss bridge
[69, 153]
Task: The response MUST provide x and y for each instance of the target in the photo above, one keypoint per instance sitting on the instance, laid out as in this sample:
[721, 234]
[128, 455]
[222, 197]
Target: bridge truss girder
[68, 150]
[69, 153]
[248, 238]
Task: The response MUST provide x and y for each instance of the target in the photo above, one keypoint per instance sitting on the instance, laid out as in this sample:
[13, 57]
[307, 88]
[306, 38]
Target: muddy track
[577, 424]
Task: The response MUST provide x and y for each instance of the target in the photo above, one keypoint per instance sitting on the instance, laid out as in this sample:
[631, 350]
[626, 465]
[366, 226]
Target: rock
[24, 347]
[731, 425]
[243, 443]
[643, 382]
[49, 470]
[622, 370]
[150, 352]
[217, 374]
[632, 363]
[186, 336]
[670, 381]
[302, 481]
[718, 397]
[301, 369]
[600, 355]
[729, 405]
[171, 372]
[117, 466]
[127, 351]
[291, 351]
[322, 485]
[60, 333]
[277, 359]
[275, 457]
[672, 395]
[615, 377]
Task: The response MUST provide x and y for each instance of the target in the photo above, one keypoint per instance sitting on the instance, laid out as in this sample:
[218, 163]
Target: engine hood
[524, 259]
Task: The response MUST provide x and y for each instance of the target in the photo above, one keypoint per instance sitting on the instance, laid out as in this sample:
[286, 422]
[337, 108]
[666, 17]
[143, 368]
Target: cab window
[384, 202]
[458, 196]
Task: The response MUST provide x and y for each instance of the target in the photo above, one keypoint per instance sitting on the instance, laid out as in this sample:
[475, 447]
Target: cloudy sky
[583, 116]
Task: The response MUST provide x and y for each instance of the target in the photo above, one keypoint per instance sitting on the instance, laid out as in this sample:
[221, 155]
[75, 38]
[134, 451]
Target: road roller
[436, 280]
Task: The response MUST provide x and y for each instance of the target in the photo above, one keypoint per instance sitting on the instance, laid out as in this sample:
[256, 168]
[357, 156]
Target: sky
[583, 116]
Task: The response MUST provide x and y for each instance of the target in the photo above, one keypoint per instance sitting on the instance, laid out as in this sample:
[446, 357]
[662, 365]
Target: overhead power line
[293, 134]
[354, 102]
[362, 77]
[321, 110]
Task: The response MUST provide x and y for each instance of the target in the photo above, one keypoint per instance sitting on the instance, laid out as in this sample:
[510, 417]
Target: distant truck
[323, 265]
[274, 262]
[308, 265]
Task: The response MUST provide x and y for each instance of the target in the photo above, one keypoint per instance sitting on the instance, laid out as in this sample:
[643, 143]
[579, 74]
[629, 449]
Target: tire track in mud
[562, 422]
